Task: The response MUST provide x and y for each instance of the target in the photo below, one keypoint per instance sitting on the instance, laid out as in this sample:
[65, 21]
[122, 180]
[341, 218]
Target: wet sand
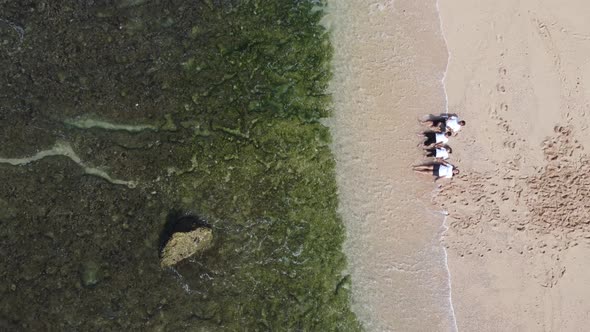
[388, 67]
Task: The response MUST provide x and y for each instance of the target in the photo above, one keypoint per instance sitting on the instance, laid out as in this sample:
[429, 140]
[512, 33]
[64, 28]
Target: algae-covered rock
[184, 245]
[89, 274]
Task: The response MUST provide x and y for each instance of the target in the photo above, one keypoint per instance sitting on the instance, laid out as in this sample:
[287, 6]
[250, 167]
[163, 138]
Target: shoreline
[450, 277]
[388, 64]
[445, 224]
[445, 72]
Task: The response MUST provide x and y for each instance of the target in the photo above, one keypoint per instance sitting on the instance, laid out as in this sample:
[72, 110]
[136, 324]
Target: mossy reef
[212, 108]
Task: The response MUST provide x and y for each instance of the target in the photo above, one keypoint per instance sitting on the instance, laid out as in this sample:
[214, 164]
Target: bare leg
[423, 171]
[433, 125]
[423, 168]
[429, 123]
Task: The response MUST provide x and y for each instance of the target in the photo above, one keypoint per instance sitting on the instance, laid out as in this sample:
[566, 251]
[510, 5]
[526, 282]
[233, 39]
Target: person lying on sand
[439, 151]
[439, 169]
[445, 122]
[433, 137]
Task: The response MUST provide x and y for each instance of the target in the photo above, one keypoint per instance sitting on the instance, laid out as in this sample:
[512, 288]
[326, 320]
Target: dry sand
[519, 73]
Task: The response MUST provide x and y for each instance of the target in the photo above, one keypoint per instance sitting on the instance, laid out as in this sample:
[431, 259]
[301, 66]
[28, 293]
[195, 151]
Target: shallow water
[389, 63]
[116, 117]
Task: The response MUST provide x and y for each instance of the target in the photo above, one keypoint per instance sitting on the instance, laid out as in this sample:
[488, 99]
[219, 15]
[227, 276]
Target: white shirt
[445, 171]
[453, 123]
[442, 153]
[441, 138]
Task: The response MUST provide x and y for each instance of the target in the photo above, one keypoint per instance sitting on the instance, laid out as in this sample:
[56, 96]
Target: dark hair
[448, 133]
[448, 148]
[462, 122]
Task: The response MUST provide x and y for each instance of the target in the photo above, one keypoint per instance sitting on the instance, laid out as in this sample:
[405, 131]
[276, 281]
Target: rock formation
[184, 244]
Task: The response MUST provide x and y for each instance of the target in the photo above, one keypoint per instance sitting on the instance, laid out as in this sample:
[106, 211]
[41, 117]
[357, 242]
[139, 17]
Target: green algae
[265, 175]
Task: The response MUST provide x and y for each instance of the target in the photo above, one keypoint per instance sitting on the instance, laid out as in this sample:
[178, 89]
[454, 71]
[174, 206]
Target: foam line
[444, 224]
[452, 308]
[444, 78]
[64, 149]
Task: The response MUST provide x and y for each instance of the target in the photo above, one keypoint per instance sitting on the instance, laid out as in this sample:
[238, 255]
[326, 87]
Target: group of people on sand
[441, 128]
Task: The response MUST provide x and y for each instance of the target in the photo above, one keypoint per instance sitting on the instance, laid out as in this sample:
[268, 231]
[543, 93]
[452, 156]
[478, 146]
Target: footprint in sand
[510, 144]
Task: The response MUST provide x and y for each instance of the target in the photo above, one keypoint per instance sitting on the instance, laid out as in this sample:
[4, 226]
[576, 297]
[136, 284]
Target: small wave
[444, 224]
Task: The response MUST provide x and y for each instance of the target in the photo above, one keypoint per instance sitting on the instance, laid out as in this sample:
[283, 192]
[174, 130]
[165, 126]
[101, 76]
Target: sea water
[389, 63]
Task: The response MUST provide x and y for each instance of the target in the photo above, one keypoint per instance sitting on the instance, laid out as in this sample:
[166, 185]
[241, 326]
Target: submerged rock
[183, 245]
[89, 274]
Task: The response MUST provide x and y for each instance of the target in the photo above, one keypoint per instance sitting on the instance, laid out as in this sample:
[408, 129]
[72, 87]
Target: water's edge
[445, 225]
[388, 62]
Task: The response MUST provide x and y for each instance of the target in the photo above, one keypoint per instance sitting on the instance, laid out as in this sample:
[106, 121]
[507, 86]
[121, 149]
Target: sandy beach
[511, 254]
[519, 214]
